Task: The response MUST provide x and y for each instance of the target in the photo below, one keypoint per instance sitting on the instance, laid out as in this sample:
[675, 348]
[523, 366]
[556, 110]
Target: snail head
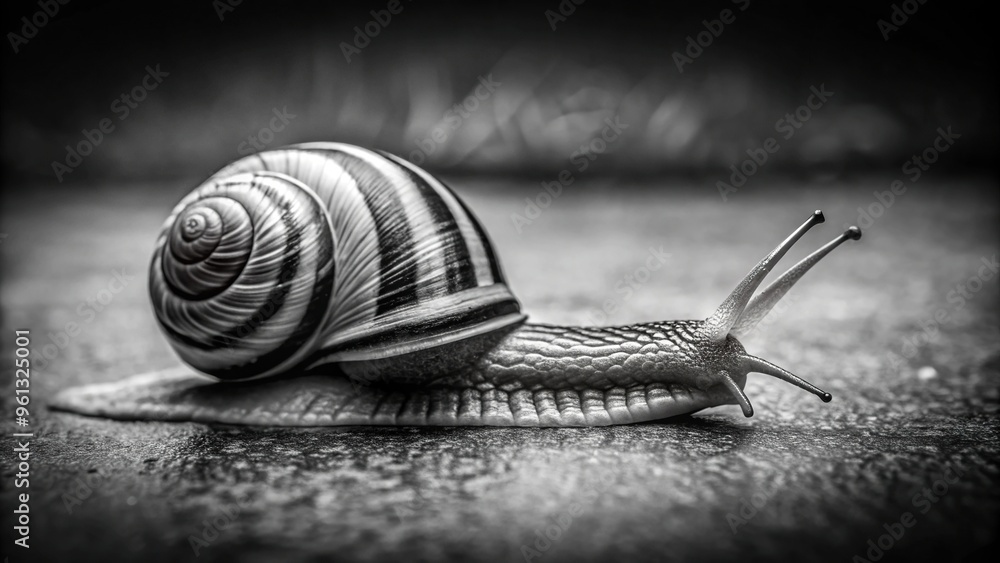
[724, 361]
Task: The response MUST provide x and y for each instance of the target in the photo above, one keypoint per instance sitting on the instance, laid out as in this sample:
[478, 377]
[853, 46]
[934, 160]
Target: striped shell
[320, 253]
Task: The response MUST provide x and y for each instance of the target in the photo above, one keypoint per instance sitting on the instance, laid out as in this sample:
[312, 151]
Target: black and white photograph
[564, 280]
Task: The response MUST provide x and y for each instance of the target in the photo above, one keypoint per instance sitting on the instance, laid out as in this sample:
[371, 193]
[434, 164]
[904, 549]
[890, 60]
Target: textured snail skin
[535, 375]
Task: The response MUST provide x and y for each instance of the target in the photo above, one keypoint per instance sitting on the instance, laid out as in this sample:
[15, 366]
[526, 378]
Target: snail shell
[321, 253]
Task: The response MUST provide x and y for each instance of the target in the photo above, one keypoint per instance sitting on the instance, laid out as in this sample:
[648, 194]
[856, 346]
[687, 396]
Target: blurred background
[113, 111]
[693, 101]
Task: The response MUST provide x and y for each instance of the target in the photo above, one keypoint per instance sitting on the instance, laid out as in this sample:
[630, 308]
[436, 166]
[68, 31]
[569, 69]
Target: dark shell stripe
[479, 247]
[455, 225]
[413, 248]
[473, 235]
[495, 270]
[436, 243]
[446, 319]
[460, 273]
[258, 332]
[398, 270]
[431, 251]
[454, 322]
[475, 240]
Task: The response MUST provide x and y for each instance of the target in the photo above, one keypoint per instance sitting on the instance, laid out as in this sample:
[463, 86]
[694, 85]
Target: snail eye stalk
[763, 302]
[720, 323]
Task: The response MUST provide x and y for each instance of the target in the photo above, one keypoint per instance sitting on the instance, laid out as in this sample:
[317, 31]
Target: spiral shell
[319, 253]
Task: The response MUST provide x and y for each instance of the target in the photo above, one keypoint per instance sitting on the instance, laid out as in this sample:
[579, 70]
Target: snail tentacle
[728, 313]
[763, 302]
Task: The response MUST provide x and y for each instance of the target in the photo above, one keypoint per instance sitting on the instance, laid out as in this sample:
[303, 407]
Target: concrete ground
[909, 445]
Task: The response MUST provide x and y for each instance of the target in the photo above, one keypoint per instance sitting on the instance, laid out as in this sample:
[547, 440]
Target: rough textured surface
[915, 397]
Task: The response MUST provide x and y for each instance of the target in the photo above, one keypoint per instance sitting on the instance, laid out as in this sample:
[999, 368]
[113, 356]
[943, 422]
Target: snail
[328, 284]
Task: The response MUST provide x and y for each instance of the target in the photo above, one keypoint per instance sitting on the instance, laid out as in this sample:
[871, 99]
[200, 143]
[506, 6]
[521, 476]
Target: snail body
[349, 286]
